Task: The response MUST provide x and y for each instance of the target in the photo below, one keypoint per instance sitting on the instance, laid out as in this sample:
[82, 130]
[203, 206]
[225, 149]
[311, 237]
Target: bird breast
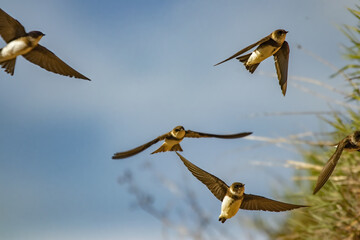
[230, 207]
[261, 53]
[169, 143]
[15, 48]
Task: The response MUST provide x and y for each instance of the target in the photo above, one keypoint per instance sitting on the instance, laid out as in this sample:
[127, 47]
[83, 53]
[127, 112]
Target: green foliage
[352, 53]
[335, 209]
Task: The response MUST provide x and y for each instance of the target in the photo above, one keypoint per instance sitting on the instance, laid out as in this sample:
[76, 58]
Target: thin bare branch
[271, 114]
[327, 63]
[327, 99]
[292, 139]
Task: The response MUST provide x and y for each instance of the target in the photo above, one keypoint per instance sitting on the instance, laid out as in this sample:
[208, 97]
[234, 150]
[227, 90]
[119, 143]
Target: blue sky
[151, 65]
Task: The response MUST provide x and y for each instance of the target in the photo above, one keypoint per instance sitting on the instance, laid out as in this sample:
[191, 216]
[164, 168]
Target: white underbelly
[14, 49]
[229, 207]
[169, 143]
[260, 54]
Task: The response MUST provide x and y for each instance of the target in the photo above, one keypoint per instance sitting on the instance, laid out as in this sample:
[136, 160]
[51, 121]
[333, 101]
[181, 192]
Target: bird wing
[141, 148]
[246, 49]
[255, 202]
[193, 134]
[281, 58]
[48, 60]
[330, 165]
[214, 184]
[10, 28]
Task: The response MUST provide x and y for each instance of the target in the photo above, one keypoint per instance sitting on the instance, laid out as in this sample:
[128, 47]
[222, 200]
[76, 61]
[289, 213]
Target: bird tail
[244, 59]
[160, 149]
[222, 219]
[252, 68]
[176, 147]
[164, 148]
[9, 65]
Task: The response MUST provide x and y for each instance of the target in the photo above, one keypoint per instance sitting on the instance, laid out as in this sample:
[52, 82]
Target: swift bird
[27, 44]
[233, 197]
[173, 139]
[271, 45]
[350, 143]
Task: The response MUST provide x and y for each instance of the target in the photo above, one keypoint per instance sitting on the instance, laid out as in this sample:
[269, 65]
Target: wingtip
[78, 76]
[245, 134]
[317, 188]
[301, 206]
[84, 78]
[119, 155]
[114, 157]
[221, 62]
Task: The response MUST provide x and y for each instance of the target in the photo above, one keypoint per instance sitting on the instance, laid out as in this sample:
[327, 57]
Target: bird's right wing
[46, 59]
[255, 202]
[281, 58]
[246, 49]
[193, 134]
[132, 152]
[10, 28]
[330, 165]
[214, 184]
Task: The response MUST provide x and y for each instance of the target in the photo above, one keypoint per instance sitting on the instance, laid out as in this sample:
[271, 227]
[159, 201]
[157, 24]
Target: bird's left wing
[255, 202]
[281, 58]
[214, 184]
[132, 152]
[193, 134]
[10, 28]
[246, 49]
[48, 60]
[330, 165]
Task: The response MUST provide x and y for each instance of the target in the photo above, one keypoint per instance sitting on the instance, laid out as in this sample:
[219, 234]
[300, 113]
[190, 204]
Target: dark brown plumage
[220, 189]
[267, 47]
[11, 29]
[349, 143]
[172, 140]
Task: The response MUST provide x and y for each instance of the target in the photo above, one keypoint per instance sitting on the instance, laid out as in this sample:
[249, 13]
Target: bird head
[178, 132]
[237, 188]
[36, 34]
[279, 35]
[35, 37]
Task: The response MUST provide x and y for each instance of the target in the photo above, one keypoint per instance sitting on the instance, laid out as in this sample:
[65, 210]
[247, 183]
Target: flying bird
[233, 198]
[271, 45]
[26, 44]
[173, 139]
[350, 143]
